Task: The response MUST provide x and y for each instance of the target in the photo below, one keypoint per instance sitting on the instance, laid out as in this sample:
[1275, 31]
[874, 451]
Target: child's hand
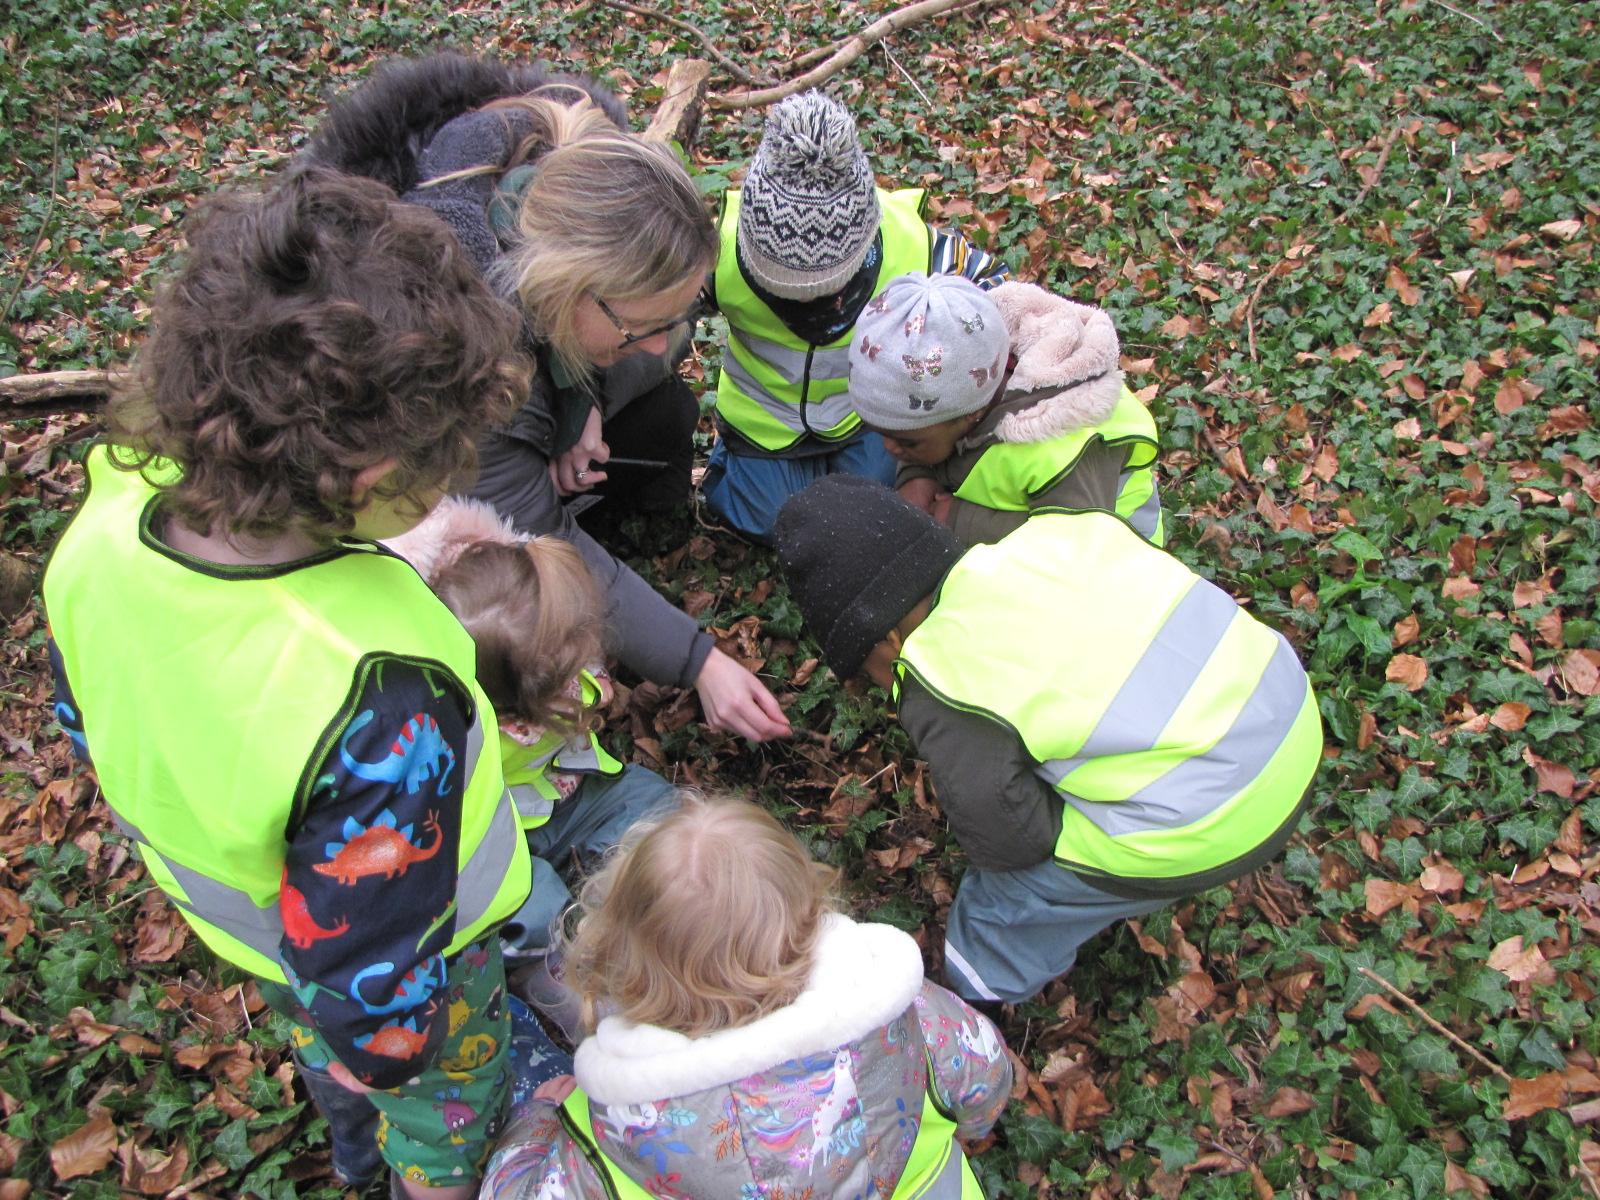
[922, 492]
[341, 1076]
[941, 507]
[575, 471]
[555, 1090]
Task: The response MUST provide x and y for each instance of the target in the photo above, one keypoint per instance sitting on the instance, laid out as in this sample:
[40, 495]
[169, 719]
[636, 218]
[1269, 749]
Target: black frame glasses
[701, 303]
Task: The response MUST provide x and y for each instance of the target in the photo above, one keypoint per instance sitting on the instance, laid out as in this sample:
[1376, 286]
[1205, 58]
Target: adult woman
[605, 241]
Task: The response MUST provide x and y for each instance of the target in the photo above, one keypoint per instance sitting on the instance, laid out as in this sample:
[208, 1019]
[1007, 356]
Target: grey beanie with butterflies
[926, 349]
[808, 208]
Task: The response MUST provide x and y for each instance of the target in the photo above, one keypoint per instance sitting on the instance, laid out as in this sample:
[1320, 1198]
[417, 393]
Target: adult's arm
[1005, 817]
[650, 636]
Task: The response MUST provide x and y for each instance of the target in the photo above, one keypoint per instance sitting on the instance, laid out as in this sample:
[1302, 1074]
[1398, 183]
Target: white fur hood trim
[864, 977]
[456, 523]
[1066, 350]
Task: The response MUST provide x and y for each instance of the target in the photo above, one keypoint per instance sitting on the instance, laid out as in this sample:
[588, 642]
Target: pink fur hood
[450, 528]
[1067, 353]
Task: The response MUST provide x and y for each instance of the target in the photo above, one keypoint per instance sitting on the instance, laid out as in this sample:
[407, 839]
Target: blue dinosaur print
[418, 752]
[305, 990]
[72, 726]
[415, 988]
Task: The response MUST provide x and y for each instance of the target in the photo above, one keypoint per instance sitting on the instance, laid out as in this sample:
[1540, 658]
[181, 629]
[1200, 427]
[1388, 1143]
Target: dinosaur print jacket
[370, 873]
[819, 1099]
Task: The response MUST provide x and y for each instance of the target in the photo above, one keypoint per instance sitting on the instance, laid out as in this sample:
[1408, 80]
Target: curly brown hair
[537, 618]
[316, 327]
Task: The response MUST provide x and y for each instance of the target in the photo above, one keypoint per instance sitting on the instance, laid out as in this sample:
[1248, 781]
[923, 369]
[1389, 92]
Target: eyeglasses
[702, 302]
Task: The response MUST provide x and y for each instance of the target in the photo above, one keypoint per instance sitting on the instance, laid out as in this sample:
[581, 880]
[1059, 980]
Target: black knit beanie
[858, 557]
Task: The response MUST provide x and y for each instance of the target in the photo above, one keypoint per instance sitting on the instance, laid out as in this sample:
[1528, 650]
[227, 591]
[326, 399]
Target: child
[807, 240]
[282, 716]
[1107, 731]
[537, 619]
[755, 1042]
[1000, 403]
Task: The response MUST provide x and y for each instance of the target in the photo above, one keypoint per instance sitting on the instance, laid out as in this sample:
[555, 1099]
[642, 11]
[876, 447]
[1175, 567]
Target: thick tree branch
[849, 50]
[683, 102]
[53, 392]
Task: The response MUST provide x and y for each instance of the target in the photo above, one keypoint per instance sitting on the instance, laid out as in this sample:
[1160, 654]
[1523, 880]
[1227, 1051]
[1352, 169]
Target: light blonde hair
[606, 214]
[705, 919]
[537, 618]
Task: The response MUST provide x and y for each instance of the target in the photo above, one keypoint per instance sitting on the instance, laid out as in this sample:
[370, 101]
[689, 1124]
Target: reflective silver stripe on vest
[228, 908]
[531, 806]
[946, 1185]
[823, 414]
[1198, 786]
[791, 363]
[580, 757]
[1147, 516]
[480, 877]
[1158, 683]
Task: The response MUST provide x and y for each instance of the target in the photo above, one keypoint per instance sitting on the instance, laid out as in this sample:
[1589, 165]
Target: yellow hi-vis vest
[936, 1169]
[205, 694]
[1008, 475]
[1180, 732]
[527, 768]
[776, 388]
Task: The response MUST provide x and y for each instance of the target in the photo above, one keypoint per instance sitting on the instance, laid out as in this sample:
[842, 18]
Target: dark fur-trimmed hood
[378, 128]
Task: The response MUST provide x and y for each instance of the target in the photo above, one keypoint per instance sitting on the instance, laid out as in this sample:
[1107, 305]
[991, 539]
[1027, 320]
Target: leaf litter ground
[1350, 252]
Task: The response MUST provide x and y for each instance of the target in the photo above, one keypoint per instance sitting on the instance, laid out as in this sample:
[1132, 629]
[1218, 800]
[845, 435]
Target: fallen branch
[53, 392]
[811, 57]
[44, 228]
[1121, 49]
[683, 102]
[1383, 158]
[728, 65]
[1492, 31]
[848, 51]
[1426, 1016]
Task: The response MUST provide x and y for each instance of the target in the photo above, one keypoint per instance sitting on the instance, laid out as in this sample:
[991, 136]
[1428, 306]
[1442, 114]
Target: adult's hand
[577, 470]
[735, 700]
[555, 1090]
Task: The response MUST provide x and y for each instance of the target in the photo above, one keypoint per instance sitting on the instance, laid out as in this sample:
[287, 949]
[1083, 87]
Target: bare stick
[44, 228]
[1423, 1013]
[1582, 1114]
[1121, 49]
[1383, 158]
[52, 392]
[848, 51]
[812, 57]
[1470, 17]
[731, 67]
[1250, 307]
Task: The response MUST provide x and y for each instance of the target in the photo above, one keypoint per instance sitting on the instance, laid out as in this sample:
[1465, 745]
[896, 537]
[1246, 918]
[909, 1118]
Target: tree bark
[53, 392]
[683, 103]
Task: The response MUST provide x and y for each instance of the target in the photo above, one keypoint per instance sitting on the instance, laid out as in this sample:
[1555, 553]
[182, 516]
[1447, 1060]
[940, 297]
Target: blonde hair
[606, 214]
[705, 919]
[537, 618]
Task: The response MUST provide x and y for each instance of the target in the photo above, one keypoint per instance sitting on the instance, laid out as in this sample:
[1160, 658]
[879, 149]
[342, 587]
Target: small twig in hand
[44, 228]
[743, 76]
[1492, 32]
[1383, 158]
[1426, 1016]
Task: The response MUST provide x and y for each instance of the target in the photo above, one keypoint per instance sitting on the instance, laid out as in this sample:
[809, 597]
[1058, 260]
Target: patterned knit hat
[926, 349]
[858, 558]
[808, 210]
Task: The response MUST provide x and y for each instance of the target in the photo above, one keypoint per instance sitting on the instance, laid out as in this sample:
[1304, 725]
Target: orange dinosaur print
[378, 849]
[402, 1040]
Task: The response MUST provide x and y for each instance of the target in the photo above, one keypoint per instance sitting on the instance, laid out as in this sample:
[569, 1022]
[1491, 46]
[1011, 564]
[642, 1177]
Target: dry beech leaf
[1407, 669]
[86, 1149]
[1458, 587]
[1552, 776]
[1580, 672]
[1409, 296]
[1529, 1096]
[1381, 315]
[1510, 716]
[1287, 1101]
[1515, 963]
[1383, 894]
[1441, 877]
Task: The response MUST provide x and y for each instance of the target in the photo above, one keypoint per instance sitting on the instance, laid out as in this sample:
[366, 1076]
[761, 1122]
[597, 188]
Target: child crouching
[1000, 403]
[537, 619]
[750, 1038]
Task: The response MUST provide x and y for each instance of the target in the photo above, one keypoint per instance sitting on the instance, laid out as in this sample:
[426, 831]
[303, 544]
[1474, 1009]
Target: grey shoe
[539, 984]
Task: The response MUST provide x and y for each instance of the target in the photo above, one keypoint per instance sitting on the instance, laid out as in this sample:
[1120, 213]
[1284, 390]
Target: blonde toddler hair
[705, 919]
[606, 214]
[537, 618]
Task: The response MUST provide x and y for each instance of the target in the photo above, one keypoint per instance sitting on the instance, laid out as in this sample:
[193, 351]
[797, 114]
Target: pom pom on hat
[858, 557]
[927, 349]
[808, 209]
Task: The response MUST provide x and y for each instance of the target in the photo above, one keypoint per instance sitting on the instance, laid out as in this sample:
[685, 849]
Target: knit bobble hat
[858, 558]
[926, 350]
[808, 209]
